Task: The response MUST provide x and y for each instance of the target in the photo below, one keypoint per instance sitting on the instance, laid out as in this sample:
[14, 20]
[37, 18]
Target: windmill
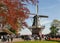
[36, 26]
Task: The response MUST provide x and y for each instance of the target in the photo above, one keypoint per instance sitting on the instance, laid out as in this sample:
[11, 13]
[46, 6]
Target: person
[4, 37]
[1, 38]
[8, 36]
[11, 37]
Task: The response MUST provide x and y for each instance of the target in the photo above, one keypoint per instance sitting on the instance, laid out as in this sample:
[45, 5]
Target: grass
[38, 42]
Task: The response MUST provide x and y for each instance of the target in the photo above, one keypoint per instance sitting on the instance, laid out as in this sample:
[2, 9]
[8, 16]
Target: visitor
[11, 37]
[1, 38]
[4, 37]
[8, 37]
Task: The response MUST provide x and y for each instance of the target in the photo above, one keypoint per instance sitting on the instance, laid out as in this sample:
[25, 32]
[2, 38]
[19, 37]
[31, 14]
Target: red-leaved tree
[13, 10]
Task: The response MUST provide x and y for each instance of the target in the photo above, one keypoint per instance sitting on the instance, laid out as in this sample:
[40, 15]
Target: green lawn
[38, 42]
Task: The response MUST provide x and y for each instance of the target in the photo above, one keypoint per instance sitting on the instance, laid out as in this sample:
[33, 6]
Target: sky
[50, 8]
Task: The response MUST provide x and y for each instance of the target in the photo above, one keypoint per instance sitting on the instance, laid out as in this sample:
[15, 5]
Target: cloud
[45, 22]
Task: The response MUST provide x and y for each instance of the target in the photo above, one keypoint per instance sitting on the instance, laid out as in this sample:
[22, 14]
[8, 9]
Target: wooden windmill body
[36, 26]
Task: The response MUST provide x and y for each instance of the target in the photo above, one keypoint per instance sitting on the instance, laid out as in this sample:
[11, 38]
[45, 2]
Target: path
[15, 40]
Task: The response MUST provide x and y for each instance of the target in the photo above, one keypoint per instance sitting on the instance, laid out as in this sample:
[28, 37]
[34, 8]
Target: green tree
[54, 30]
[55, 26]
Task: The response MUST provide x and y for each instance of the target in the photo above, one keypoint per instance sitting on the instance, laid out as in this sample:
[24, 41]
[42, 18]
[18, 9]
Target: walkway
[15, 40]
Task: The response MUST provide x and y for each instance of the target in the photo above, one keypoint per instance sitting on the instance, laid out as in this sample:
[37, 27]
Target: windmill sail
[36, 8]
[43, 16]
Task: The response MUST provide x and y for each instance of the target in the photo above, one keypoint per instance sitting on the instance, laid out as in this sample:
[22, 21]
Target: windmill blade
[43, 16]
[32, 14]
[30, 17]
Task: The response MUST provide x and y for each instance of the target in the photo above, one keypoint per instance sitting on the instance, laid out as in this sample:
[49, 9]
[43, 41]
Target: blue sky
[50, 8]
